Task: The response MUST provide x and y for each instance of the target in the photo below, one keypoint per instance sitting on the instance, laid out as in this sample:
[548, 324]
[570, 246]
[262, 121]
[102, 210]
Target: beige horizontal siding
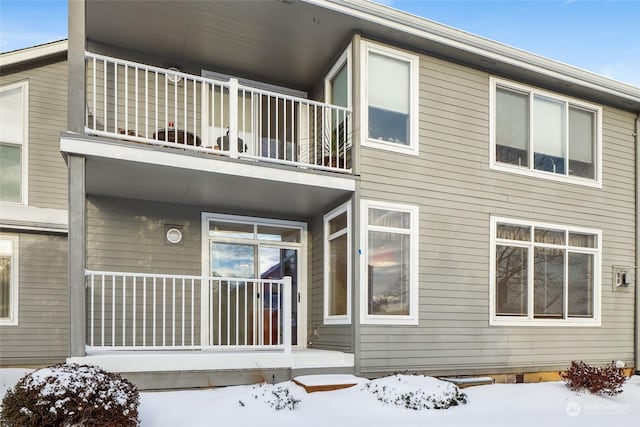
[329, 337]
[457, 192]
[42, 333]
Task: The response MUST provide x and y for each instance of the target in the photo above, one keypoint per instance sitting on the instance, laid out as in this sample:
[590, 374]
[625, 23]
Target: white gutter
[463, 41]
[32, 53]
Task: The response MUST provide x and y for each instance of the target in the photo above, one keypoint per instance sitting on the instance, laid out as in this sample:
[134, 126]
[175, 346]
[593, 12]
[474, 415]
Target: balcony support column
[76, 67]
[77, 215]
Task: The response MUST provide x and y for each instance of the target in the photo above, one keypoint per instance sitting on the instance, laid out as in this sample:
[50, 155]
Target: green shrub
[607, 380]
[71, 394]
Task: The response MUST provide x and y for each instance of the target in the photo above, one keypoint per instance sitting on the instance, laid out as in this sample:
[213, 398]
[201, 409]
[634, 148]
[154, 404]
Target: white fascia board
[203, 164]
[32, 53]
[489, 49]
[18, 216]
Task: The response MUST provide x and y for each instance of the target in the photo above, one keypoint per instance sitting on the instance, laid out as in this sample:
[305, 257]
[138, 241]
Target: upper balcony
[131, 101]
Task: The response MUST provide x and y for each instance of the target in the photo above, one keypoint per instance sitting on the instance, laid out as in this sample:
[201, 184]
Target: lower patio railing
[135, 311]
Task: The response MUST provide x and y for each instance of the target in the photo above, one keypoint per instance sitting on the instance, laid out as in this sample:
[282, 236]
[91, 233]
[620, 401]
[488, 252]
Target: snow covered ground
[543, 404]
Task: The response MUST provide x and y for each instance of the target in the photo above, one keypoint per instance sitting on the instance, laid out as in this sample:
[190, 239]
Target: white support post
[286, 304]
[233, 118]
[205, 320]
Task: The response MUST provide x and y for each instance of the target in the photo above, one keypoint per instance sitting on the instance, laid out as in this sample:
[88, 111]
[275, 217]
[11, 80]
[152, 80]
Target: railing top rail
[178, 276]
[153, 68]
[208, 80]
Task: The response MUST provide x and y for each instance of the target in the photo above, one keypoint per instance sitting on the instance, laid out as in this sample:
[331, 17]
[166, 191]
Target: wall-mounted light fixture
[173, 234]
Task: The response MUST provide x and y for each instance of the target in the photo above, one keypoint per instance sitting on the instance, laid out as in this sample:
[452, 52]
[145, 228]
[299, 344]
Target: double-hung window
[544, 274]
[390, 90]
[389, 263]
[8, 279]
[545, 134]
[337, 267]
[13, 142]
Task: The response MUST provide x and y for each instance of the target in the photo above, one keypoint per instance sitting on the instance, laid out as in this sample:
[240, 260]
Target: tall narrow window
[545, 134]
[390, 263]
[337, 85]
[544, 274]
[13, 119]
[337, 271]
[390, 89]
[8, 279]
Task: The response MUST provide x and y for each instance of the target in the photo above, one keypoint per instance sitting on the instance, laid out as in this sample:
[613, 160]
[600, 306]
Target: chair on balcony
[223, 143]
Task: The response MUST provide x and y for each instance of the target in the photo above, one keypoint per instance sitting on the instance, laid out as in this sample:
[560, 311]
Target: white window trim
[24, 153]
[413, 60]
[495, 320]
[413, 317]
[505, 167]
[12, 320]
[337, 319]
[345, 58]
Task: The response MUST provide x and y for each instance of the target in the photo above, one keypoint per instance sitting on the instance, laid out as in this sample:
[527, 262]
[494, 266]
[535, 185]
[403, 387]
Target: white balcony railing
[133, 311]
[152, 105]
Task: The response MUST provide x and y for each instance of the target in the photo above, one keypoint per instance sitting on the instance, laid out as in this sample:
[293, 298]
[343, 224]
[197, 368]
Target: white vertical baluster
[113, 310]
[102, 313]
[166, 108]
[237, 284]
[173, 312]
[124, 308]
[134, 310]
[95, 112]
[126, 99]
[246, 308]
[287, 314]
[146, 103]
[219, 312]
[136, 131]
[93, 331]
[228, 312]
[104, 97]
[233, 118]
[192, 308]
[182, 316]
[164, 311]
[154, 310]
[270, 313]
[144, 311]
[115, 103]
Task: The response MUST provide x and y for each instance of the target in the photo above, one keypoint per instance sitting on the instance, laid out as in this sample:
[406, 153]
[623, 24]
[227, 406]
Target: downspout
[636, 133]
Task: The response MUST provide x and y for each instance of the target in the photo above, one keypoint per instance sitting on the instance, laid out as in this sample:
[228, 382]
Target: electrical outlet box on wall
[622, 277]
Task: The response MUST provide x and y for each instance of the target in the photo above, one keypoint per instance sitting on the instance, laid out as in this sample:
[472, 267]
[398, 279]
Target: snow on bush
[278, 397]
[71, 395]
[607, 380]
[416, 392]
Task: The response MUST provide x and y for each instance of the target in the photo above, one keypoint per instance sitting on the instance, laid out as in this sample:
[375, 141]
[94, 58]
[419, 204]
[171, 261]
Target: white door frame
[303, 285]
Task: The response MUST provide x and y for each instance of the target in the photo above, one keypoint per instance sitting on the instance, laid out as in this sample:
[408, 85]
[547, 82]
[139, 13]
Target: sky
[601, 36]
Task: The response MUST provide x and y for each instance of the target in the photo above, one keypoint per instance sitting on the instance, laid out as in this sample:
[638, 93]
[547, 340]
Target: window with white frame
[389, 263]
[544, 274]
[8, 279]
[390, 90]
[13, 142]
[337, 265]
[545, 134]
